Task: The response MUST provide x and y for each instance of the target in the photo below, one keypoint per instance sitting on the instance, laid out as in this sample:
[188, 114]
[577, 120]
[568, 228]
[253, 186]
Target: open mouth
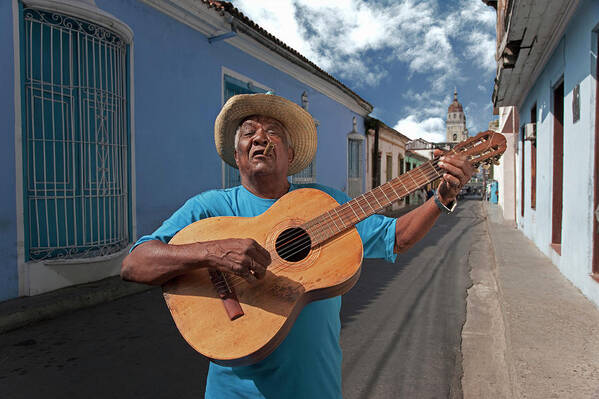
[259, 153]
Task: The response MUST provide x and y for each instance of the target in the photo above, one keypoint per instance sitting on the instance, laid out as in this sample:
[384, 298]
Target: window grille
[75, 140]
[354, 147]
[306, 175]
[232, 87]
[354, 166]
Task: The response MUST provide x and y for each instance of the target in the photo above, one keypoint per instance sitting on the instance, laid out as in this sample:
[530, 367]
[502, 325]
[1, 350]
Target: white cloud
[340, 35]
[477, 12]
[430, 129]
[427, 104]
[358, 42]
[481, 47]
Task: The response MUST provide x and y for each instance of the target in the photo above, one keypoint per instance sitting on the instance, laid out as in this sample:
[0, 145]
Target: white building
[504, 173]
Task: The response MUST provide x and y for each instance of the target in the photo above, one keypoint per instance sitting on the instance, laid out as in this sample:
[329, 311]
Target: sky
[405, 57]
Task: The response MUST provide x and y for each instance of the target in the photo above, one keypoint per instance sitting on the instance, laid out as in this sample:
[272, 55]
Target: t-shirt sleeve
[194, 209]
[378, 237]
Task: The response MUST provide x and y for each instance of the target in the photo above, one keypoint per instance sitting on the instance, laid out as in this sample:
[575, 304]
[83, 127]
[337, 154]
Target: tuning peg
[486, 166]
[496, 162]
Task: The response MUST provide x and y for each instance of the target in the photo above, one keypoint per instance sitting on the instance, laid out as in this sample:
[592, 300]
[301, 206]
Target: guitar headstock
[484, 148]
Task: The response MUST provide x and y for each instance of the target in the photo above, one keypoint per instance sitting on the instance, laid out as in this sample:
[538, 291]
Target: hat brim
[298, 122]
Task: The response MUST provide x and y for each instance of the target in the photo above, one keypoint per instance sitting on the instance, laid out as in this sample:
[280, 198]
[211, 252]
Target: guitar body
[272, 304]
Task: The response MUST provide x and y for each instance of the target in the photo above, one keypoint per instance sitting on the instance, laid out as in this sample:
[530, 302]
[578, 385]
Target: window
[389, 167]
[376, 177]
[400, 165]
[233, 86]
[355, 145]
[75, 138]
[308, 174]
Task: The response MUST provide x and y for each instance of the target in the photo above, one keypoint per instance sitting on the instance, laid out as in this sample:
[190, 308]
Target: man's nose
[260, 136]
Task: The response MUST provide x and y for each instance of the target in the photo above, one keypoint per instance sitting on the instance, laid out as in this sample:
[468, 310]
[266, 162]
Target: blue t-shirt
[307, 364]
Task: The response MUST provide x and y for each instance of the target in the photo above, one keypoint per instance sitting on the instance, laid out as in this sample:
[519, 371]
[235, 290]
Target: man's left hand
[458, 172]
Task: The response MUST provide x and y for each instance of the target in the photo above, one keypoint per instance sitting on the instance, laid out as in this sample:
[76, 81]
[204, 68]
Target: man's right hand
[241, 256]
[154, 262]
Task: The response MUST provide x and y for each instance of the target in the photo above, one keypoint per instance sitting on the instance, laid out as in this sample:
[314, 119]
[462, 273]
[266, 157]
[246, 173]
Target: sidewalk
[529, 332]
[19, 312]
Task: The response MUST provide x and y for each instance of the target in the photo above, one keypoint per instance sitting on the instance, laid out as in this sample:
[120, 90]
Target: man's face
[255, 133]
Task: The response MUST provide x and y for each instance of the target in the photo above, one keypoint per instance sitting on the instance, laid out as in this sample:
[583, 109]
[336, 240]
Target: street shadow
[412, 299]
[377, 273]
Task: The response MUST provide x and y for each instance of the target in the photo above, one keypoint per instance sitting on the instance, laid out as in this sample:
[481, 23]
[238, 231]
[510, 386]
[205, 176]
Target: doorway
[596, 178]
[558, 167]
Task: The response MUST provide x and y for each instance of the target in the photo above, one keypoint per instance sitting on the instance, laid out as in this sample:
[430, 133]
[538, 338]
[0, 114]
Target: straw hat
[297, 121]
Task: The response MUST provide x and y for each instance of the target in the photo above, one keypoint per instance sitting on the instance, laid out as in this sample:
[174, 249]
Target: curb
[487, 372]
[19, 312]
[511, 370]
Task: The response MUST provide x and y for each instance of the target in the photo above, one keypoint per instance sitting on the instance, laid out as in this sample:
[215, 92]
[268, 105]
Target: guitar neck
[345, 216]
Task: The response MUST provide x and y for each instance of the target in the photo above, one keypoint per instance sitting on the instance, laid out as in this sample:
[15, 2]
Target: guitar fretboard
[345, 216]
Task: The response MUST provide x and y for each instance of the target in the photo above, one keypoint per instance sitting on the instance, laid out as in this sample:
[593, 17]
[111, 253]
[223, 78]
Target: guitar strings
[276, 266]
[281, 266]
[236, 280]
[345, 212]
[428, 177]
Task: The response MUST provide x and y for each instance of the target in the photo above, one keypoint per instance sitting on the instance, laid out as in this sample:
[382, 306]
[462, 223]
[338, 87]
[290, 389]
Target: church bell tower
[456, 121]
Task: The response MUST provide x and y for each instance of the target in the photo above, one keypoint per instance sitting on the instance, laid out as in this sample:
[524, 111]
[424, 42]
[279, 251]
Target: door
[558, 166]
[596, 179]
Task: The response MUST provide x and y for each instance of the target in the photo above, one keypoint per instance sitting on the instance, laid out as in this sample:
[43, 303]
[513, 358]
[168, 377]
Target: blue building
[547, 93]
[108, 110]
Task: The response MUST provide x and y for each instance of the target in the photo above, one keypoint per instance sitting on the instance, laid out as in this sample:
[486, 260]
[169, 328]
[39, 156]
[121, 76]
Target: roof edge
[213, 18]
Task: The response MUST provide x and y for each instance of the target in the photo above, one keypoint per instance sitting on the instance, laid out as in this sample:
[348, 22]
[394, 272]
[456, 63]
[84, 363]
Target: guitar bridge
[226, 294]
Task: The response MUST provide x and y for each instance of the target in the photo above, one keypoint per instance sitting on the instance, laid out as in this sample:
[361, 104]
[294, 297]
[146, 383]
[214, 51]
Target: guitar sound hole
[293, 244]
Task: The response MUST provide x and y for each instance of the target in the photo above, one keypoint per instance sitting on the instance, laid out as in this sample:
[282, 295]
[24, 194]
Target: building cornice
[559, 27]
[539, 45]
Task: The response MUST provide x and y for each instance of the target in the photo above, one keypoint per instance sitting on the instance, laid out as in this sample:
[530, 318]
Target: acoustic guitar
[316, 253]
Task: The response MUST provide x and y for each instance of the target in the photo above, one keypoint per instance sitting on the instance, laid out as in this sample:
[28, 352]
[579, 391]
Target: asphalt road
[401, 335]
[402, 322]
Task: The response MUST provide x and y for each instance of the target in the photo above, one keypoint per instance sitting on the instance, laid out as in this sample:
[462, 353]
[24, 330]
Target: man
[268, 138]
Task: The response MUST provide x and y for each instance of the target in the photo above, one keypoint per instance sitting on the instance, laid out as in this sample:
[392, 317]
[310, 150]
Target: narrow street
[401, 335]
[402, 322]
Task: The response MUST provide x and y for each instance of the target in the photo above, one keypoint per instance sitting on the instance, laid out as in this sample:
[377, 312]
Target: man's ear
[236, 158]
[291, 155]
